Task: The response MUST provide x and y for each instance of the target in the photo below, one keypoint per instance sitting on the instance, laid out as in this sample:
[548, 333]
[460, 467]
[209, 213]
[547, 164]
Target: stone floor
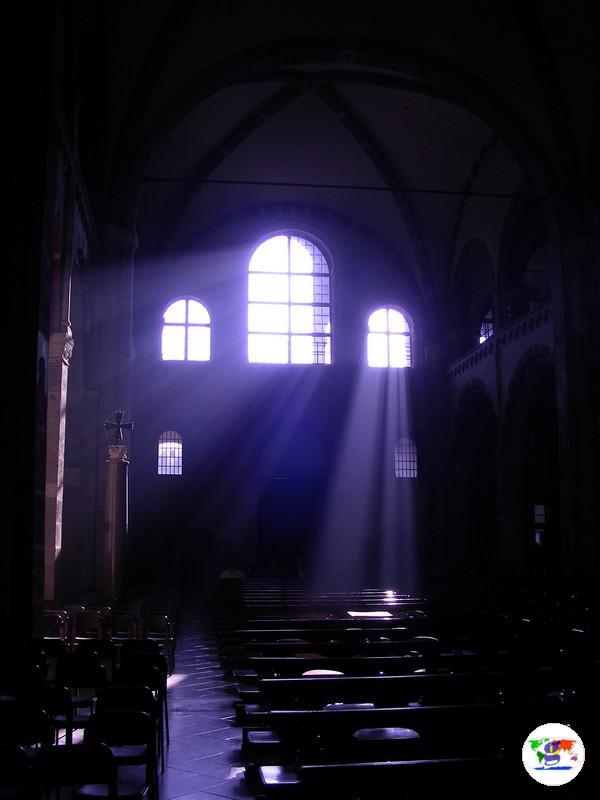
[203, 760]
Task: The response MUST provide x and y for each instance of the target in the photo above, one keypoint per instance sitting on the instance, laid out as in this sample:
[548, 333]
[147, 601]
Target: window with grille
[186, 331]
[288, 303]
[405, 459]
[170, 453]
[388, 339]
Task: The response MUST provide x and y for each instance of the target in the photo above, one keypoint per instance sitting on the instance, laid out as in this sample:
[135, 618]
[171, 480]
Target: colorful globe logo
[553, 754]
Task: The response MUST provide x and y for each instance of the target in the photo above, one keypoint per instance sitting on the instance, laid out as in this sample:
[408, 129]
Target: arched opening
[472, 545]
[531, 538]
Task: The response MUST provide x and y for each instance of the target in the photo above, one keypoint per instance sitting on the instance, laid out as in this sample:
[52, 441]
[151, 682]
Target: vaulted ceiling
[419, 123]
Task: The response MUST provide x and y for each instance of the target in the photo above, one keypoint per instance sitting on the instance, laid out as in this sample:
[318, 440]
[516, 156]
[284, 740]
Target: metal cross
[118, 425]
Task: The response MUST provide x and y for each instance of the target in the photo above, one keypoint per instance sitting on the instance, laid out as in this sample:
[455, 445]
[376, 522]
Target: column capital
[117, 452]
[60, 347]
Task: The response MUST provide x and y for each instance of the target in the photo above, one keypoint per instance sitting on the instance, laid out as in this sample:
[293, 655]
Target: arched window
[170, 453]
[288, 303]
[486, 329]
[186, 331]
[405, 459]
[388, 339]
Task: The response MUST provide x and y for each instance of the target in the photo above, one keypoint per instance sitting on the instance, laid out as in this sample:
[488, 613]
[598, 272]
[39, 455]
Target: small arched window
[405, 459]
[186, 331]
[288, 303]
[486, 329]
[170, 453]
[388, 339]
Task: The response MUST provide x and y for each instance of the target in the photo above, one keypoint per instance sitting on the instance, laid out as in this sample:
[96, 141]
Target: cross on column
[117, 425]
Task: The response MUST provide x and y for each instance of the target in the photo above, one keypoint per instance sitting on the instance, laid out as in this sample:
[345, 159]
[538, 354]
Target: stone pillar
[112, 355]
[116, 514]
[59, 355]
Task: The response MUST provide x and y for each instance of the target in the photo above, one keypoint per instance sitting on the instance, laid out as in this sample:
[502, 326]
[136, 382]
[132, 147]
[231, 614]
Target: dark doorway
[288, 517]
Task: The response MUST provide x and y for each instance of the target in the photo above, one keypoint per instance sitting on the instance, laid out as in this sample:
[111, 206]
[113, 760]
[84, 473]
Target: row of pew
[380, 689]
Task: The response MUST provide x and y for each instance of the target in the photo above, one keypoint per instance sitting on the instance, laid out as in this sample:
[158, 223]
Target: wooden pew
[340, 649]
[469, 778]
[295, 666]
[426, 689]
[443, 731]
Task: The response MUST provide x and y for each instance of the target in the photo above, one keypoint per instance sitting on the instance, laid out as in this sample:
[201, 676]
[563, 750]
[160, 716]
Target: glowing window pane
[266, 287]
[397, 322]
[302, 350]
[296, 302]
[173, 343]
[486, 329]
[301, 289]
[198, 343]
[189, 338]
[405, 459]
[322, 349]
[170, 453]
[271, 256]
[197, 313]
[175, 312]
[377, 350]
[378, 320]
[321, 291]
[268, 317]
[300, 259]
[399, 350]
[388, 340]
[302, 319]
[267, 348]
[322, 323]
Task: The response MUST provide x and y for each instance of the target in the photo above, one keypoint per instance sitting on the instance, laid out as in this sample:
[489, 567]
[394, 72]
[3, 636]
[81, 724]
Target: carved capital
[61, 347]
[117, 452]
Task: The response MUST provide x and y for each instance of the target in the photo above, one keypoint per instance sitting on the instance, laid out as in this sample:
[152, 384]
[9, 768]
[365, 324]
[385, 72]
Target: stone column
[116, 513]
[59, 355]
[112, 355]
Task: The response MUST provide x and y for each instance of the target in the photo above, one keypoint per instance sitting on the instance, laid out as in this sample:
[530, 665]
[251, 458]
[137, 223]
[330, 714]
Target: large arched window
[170, 453]
[288, 303]
[186, 331]
[388, 339]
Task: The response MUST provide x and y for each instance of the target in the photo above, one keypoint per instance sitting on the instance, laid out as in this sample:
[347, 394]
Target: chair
[56, 700]
[55, 625]
[102, 649]
[22, 724]
[159, 628]
[119, 626]
[89, 770]
[86, 625]
[144, 659]
[83, 674]
[133, 698]
[134, 646]
[131, 736]
[152, 677]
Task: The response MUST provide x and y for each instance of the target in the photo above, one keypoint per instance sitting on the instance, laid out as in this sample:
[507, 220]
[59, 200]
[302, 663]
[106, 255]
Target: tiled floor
[203, 760]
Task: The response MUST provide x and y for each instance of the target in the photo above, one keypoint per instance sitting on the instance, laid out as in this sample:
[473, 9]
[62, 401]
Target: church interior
[307, 293]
